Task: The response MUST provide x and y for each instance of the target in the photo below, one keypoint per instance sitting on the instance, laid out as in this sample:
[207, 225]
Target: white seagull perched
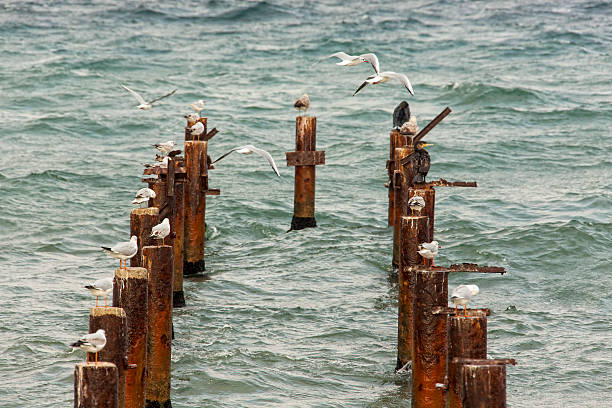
[91, 343]
[351, 60]
[416, 203]
[101, 287]
[384, 77]
[429, 250]
[123, 250]
[161, 231]
[197, 106]
[192, 118]
[161, 164]
[144, 105]
[248, 149]
[197, 129]
[166, 147]
[462, 294]
[143, 195]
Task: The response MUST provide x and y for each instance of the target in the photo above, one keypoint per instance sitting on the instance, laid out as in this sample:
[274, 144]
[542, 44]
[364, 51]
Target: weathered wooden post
[141, 222]
[396, 139]
[130, 291]
[178, 240]
[467, 339]
[158, 261]
[399, 185]
[95, 385]
[484, 383]
[305, 158]
[429, 352]
[413, 231]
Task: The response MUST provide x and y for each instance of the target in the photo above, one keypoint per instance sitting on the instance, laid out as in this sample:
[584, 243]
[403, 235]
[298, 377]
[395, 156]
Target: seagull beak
[428, 144]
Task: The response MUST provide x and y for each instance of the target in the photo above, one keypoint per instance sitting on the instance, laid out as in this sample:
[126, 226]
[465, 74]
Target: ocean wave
[482, 94]
[261, 10]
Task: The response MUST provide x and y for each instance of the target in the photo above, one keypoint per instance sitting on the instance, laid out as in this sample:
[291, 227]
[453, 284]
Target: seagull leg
[464, 310]
[105, 304]
[96, 301]
[96, 358]
[456, 311]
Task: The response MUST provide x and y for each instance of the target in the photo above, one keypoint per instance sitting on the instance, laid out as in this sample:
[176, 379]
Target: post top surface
[146, 211]
[134, 273]
[102, 311]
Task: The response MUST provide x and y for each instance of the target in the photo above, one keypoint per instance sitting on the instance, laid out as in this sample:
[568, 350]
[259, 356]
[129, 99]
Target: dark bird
[401, 114]
[420, 161]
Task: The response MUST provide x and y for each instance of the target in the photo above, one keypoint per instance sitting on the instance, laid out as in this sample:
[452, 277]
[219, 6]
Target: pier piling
[141, 222]
[95, 385]
[130, 291]
[399, 185]
[195, 206]
[178, 241]
[484, 383]
[305, 159]
[158, 261]
[396, 139]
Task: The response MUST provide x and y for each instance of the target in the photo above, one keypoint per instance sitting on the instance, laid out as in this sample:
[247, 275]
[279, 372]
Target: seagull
[384, 77]
[416, 203]
[91, 343]
[197, 106]
[161, 231]
[144, 105]
[143, 195]
[101, 287]
[352, 60]
[197, 129]
[165, 147]
[429, 250]
[302, 103]
[248, 149]
[192, 118]
[462, 294]
[123, 250]
[163, 164]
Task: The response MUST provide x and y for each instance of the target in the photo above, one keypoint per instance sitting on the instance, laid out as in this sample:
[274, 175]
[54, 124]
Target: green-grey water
[309, 318]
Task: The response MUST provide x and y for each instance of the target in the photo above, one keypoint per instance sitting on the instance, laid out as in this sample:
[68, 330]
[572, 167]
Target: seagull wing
[342, 55]
[368, 80]
[267, 156]
[372, 59]
[402, 78]
[103, 284]
[461, 292]
[226, 154]
[162, 97]
[123, 248]
[135, 95]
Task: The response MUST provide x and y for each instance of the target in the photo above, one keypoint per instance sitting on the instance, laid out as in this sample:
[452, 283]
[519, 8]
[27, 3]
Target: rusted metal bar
[304, 195]
[472, 267]
[158, 261]
[305, 158]
[396, 139]
[114, 322]
[429, 353]
[432, 124]
[483, 385]
[178, 234]
[400, 201]
[95, 385]
[446, 183]
[141, 222]
[451, 311]
[467, 339]
[195, 208]
[179, 168]
[130, 291]
[413, 230]
[491, 361]
[209, 135]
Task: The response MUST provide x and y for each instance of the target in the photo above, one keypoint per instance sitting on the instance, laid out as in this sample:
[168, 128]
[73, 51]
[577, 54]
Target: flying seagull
[144, 105]
[248, 149]
[429, 250]
[416, 203]
[161, 231]
[123, 250]
[143, 195]
[197, 106]
[165, 147]
[462, 294]
[101, 287]
[384, 77]
[351, 60]
[302, 103]
[91, 343]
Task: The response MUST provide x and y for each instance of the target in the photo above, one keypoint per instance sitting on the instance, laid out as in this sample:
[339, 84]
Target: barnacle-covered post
[95, 385]
[130, 291]
[305, 158]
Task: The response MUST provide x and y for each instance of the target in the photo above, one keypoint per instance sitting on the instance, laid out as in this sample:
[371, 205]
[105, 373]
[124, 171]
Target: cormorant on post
[401, 114]
[420, 161]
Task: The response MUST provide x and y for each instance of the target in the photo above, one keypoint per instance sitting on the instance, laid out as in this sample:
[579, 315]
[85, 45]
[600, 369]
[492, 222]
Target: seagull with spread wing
[248, 149]
[384, 77]
[144, 105]
[351, 60]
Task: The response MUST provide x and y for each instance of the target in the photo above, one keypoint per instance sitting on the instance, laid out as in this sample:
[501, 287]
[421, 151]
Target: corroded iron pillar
[95, 385]
[141, 222]
[396, 139]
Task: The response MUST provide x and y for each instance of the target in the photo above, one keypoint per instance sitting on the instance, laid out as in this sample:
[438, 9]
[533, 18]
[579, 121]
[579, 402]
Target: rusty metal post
[114, 322]
[95, 385]
[396, 139]
[178, 240]
[484, 385]
[429, 195]
[130, 291]
[429, 351]
[305, 159]
[141, 222]
[160, 186]
[399, 185]
[467, 338]
[413, 230]
[158, 261]
[194, 207]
